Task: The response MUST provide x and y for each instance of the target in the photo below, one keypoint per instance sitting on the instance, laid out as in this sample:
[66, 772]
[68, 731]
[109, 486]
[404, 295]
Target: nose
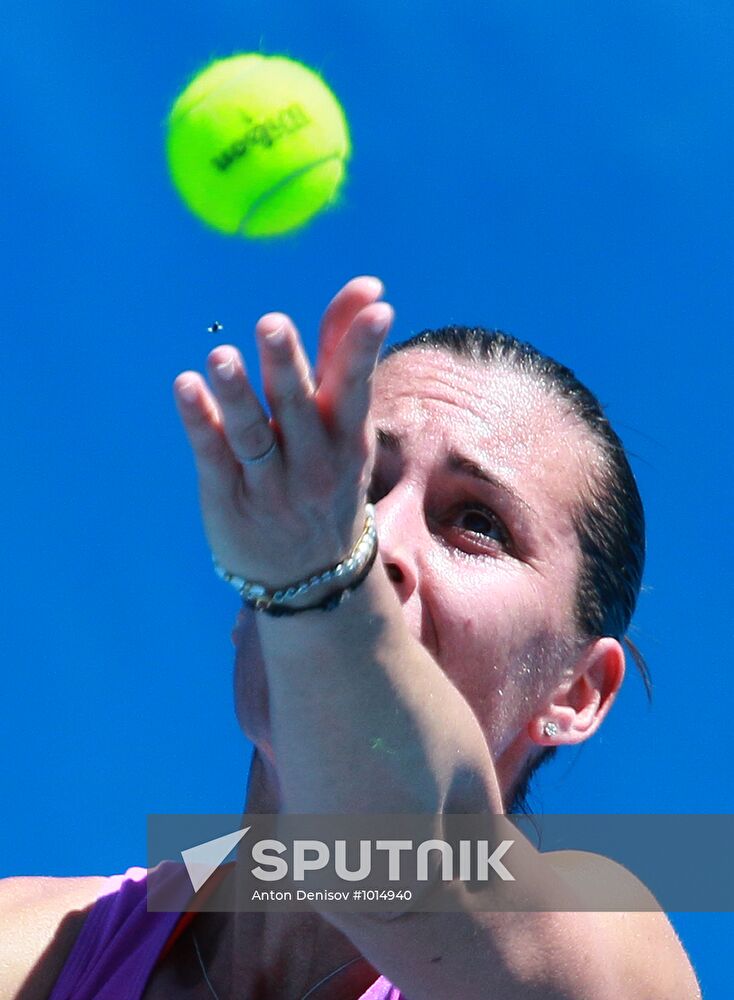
[399, 530]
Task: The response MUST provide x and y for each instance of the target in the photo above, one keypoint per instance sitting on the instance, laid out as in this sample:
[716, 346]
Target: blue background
[559, 170]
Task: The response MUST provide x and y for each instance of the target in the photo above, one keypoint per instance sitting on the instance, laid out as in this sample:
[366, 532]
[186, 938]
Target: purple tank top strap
[120, 941]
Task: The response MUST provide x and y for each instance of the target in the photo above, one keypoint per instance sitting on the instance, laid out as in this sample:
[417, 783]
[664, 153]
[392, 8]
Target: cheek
[493, 628]
[488, 608]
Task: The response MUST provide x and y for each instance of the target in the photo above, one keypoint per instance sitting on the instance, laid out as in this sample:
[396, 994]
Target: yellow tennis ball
[257, 145]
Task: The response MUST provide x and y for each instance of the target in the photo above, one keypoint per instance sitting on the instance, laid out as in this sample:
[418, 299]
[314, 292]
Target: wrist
[324, 589]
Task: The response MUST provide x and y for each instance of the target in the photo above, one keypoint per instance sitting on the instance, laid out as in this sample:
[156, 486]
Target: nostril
[394, 573]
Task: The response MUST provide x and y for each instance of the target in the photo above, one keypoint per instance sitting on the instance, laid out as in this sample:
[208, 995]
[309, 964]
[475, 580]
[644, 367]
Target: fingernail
[187, 391]
[378, 328]
[226, 369]
[276, 337]
[376, 287]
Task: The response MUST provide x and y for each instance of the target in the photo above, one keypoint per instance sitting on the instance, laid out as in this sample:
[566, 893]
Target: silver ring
[260, 458]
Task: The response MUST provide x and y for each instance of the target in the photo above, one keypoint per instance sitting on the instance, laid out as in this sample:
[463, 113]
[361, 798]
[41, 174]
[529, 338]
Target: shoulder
[40, 919]
[638, 938]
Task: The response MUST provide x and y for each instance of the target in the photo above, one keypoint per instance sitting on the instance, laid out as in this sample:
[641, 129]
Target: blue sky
[562, 171]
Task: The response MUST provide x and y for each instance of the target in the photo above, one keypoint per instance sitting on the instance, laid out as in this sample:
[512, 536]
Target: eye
[478, 524]
[476, 519]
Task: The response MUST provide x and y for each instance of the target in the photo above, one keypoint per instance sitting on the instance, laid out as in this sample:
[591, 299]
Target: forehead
[499, 416]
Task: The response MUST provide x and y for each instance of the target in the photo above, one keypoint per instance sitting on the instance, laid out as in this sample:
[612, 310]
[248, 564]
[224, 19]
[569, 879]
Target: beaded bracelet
[276, 602]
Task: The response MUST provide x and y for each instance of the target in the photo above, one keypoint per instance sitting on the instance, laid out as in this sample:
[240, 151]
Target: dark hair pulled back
[609, 520]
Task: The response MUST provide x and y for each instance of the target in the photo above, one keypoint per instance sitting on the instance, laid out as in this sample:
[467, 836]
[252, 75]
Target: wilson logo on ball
[265, 133]
[240, 154]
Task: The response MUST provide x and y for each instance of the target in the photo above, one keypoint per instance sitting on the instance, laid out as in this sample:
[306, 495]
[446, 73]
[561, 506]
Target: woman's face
[476, 477]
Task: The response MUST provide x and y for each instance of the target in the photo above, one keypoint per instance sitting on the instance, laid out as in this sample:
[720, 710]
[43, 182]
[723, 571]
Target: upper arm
[648, 958]
[40, 919]
[571, 955]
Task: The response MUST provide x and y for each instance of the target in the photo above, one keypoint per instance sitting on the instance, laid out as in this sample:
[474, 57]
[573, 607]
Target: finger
[246, 424]
[339, 314]
[345, 393]
[218, 470]
[289, 389]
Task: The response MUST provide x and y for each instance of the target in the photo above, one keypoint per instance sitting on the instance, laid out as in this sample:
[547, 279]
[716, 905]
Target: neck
[274, 954]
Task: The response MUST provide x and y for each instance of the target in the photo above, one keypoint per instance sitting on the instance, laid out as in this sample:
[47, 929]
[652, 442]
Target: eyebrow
[458, 463]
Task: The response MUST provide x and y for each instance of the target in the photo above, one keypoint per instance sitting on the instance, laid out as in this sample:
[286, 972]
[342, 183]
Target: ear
[578, 706]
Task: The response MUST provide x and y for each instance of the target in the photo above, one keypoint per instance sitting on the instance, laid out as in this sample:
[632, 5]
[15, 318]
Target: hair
[609, 520]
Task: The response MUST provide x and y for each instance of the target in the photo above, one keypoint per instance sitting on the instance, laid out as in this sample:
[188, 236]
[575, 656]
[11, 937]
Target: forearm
[364, 720]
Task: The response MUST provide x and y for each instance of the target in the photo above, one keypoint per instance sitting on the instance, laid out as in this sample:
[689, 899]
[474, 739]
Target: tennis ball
[257, 145]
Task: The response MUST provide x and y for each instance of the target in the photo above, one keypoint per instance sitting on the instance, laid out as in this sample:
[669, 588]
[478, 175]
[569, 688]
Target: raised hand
[282, 495]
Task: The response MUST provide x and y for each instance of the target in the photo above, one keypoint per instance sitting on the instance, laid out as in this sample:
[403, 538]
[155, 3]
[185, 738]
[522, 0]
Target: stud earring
[550, 729]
